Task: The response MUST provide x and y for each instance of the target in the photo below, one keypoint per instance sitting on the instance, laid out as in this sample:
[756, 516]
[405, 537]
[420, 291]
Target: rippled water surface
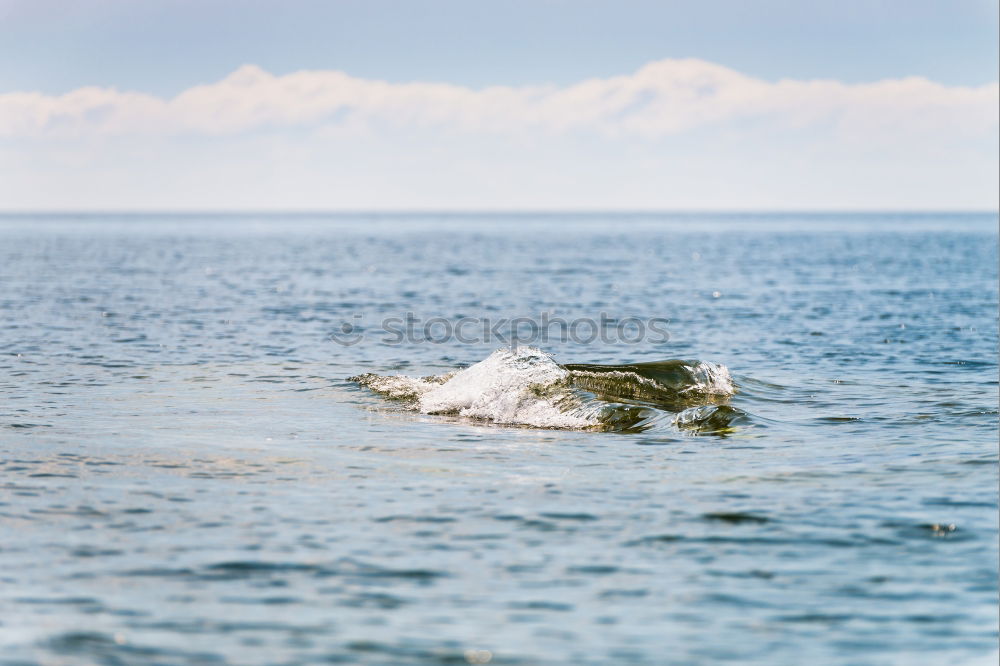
[189, 476]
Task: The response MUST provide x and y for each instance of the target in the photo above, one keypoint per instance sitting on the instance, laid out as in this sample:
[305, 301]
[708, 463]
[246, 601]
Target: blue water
[188, 475]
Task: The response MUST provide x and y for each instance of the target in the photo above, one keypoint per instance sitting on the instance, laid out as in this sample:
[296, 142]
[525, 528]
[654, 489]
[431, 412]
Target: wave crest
[526, 386]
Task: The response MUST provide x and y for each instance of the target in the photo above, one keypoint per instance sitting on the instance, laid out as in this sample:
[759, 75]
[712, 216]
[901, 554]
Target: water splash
[528, 387]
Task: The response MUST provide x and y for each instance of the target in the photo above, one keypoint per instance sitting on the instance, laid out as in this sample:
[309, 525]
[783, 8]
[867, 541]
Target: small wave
[527, 387]
[710, 419]
[664, 384]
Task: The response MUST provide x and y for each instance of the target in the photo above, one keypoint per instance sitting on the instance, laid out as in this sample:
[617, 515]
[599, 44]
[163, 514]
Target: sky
[490, 105]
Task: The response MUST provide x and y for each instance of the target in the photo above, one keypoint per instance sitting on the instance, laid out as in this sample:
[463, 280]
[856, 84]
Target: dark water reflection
[187, 476]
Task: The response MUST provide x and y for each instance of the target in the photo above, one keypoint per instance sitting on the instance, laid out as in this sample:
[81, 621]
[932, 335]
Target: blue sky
[766, 104]
[164, 47]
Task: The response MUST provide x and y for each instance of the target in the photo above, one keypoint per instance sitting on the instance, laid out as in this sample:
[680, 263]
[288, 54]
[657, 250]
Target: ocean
[600, 438]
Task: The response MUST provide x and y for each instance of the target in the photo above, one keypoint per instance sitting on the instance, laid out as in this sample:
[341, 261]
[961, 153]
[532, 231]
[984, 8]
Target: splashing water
[526, 386]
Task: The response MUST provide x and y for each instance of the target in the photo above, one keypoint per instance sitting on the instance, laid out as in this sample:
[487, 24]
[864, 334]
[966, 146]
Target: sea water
[213, 448]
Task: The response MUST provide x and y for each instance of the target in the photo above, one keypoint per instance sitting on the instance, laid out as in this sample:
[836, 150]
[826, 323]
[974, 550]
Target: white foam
[506, 387]
[711, 379]
[401, 387]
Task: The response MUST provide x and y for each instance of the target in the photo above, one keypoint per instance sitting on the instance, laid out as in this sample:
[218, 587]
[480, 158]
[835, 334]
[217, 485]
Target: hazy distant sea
[188, 476]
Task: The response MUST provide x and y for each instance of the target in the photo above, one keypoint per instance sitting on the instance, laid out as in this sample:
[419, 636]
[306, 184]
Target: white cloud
[663, 98]
[674, 134]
